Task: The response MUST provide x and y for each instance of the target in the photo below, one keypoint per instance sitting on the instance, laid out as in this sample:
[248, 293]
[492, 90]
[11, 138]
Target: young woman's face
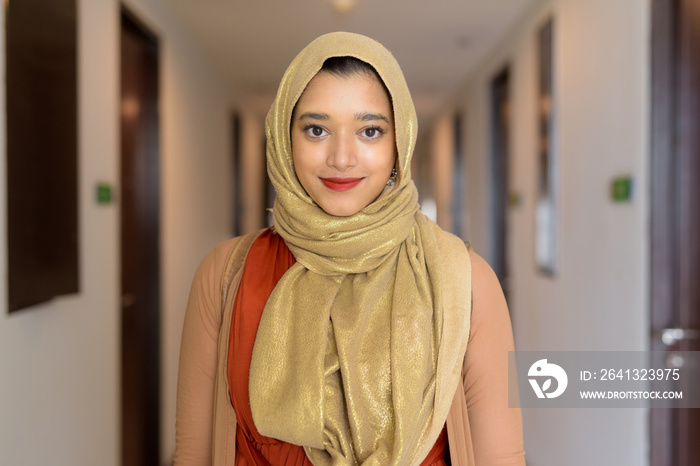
[343, 141]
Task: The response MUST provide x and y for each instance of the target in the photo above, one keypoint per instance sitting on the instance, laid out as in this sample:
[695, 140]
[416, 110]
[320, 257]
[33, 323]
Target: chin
[340, 211]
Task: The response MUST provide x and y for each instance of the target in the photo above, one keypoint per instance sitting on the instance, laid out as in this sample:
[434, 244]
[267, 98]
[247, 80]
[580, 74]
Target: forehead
[354, 90]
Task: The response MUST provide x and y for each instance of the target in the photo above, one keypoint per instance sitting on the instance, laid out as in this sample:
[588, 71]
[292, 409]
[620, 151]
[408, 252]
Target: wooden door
[675, 213]
[140, 343]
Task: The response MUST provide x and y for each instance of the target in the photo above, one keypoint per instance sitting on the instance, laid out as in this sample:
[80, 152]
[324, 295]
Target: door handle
[670, 336]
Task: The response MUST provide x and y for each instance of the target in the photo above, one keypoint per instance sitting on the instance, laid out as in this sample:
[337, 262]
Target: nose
[342, 153]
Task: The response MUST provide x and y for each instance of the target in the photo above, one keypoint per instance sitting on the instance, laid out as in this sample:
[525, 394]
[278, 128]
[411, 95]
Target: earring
[392, 178]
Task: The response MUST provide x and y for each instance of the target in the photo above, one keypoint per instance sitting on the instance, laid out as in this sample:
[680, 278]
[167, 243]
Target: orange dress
[268, 259]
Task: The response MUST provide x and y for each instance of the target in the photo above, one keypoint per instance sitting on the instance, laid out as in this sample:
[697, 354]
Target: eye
[373, 132]
[315, 131]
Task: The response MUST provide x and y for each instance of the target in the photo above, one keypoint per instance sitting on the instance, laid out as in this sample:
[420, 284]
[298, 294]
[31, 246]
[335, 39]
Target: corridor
[535, 125]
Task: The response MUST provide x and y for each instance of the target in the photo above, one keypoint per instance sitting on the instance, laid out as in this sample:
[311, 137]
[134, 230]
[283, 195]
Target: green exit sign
[104, 193]
[621, 189]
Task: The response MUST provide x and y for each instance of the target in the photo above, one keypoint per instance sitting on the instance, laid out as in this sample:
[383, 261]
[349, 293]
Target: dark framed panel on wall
[457, 181]
[500, 174]
[546, 232]
[42, 148]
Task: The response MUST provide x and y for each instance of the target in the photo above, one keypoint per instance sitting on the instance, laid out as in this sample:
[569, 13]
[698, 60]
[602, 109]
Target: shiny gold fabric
[351, 358]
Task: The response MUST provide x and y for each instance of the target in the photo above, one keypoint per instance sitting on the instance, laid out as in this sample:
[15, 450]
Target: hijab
[351, 357]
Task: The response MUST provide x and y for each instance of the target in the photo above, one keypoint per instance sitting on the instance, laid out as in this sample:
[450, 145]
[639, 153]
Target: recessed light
[343, 6]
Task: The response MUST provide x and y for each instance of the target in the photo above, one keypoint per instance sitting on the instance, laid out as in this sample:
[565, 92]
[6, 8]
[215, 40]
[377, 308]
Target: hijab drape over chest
[353, 359]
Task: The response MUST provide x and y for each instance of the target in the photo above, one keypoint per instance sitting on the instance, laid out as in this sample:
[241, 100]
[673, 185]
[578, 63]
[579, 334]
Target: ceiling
[437, 42]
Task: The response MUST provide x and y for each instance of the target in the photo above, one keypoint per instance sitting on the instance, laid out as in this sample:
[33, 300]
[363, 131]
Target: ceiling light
[343, 6]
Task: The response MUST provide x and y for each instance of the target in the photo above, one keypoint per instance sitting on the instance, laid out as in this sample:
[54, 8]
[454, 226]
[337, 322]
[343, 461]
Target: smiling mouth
[341, 184]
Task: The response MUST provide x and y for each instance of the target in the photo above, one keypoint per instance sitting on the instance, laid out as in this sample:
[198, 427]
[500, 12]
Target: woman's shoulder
[489, 307]
[224, 248]
[483, 276]
[485, 287]
[212, 279]
[458, 251]
[226, 255]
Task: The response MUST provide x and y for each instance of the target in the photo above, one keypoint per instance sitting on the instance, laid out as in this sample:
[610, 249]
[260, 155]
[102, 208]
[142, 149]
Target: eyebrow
[370, 117]
[358, 116]
[315, 116]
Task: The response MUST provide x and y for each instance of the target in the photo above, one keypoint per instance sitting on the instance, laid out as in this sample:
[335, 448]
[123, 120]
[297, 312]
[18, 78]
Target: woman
[355, 331]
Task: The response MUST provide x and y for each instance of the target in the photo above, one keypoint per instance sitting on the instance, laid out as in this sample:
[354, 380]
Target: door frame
[140, 244]
[675, 183]
[500, 93]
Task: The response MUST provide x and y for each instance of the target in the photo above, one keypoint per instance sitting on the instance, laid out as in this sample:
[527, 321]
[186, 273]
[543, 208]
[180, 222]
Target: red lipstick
[340, 184]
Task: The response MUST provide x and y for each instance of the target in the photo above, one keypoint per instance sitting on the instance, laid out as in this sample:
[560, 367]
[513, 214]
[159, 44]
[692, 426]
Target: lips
[341, 184]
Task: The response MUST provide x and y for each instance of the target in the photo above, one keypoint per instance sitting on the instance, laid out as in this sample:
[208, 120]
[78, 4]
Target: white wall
[58, 396]
[59, 362]
[598, 300]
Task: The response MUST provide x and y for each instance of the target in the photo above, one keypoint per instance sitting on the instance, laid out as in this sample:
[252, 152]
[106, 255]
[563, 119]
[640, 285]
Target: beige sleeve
[496, 429]
[198, 364]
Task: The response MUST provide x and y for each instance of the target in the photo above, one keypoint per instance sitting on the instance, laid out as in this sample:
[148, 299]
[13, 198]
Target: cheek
[388, 156]
[298, 165]
[302, 165]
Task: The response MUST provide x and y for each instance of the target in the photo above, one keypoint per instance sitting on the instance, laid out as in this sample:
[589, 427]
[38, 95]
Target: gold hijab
[350, 358]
